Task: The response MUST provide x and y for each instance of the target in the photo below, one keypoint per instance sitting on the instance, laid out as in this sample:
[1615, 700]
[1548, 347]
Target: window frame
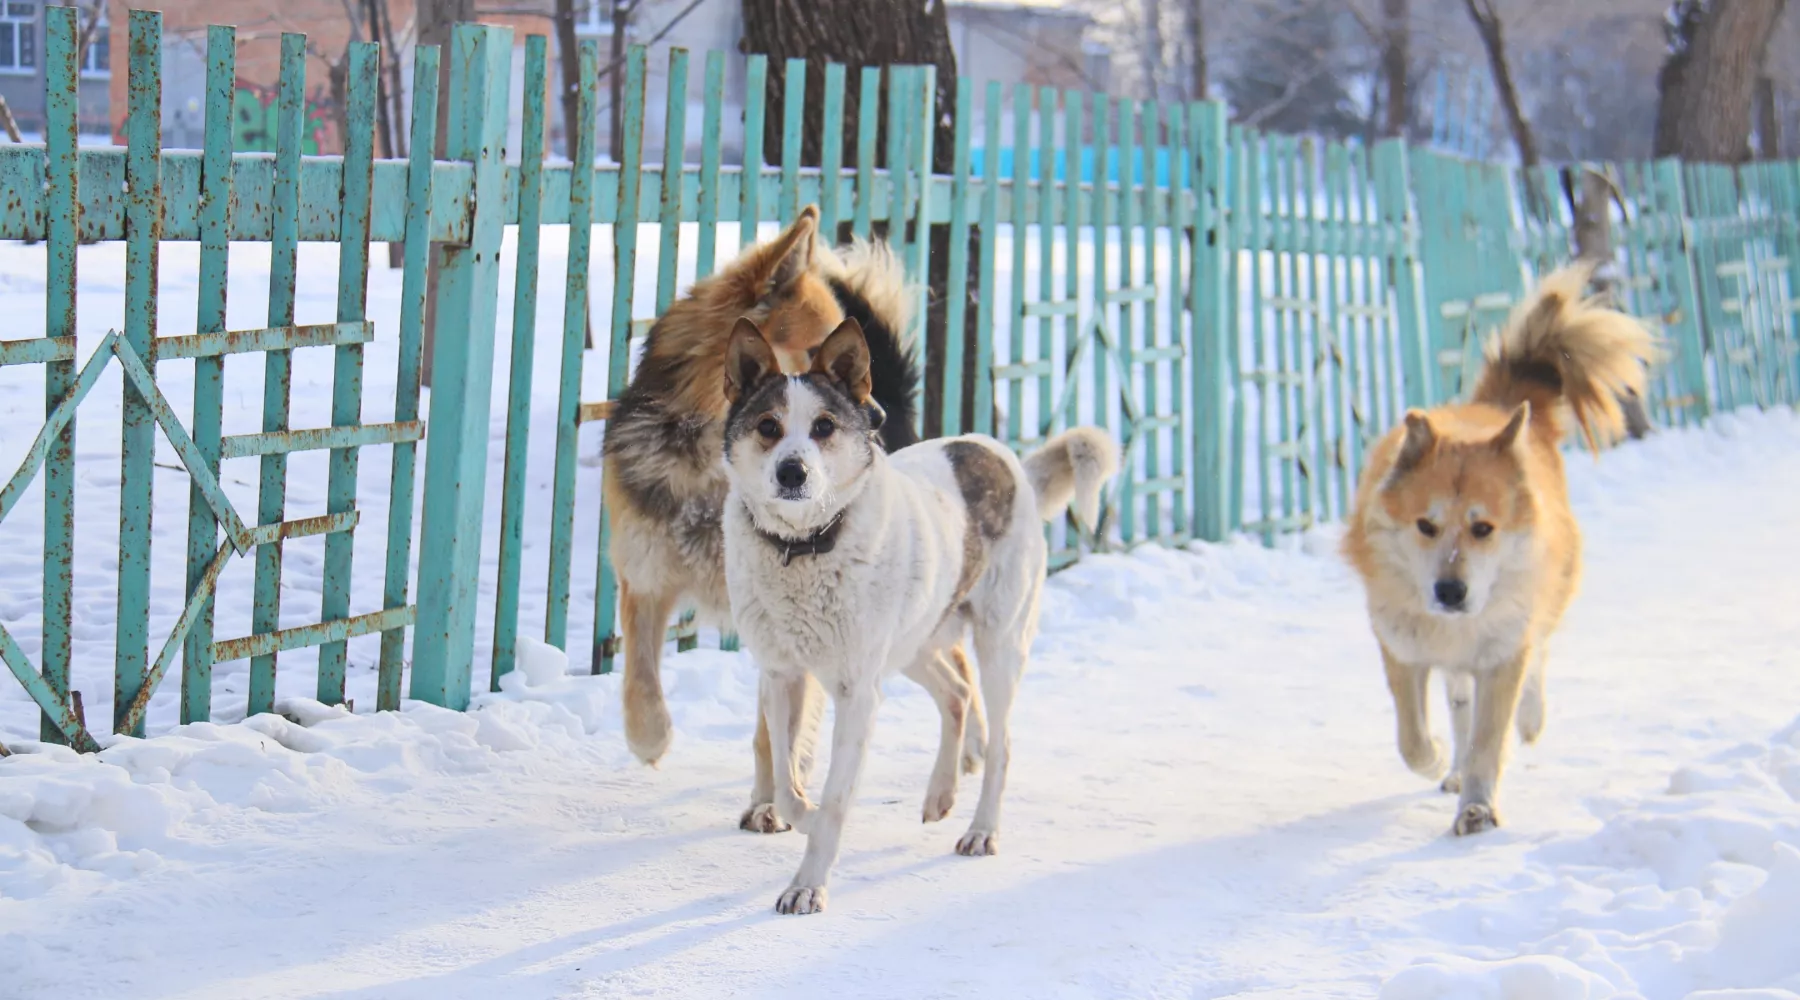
[22, 24]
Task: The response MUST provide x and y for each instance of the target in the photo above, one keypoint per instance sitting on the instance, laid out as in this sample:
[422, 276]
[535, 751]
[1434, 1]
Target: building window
[98, 59]
[594, 17]
[18, 36]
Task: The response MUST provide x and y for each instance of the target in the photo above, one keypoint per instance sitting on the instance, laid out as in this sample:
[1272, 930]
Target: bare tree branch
[1289, 94]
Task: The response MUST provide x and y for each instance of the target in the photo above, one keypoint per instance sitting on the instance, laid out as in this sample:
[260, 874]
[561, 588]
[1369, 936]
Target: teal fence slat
[519, 364]
[624, 277]
[347, 372]
[462, 380]
[278, 365]
[831, 154]
[62, 188]
[143, 173]
[713, 124]
[793, 119]
[756, 75]
[398, 572]
[868, 121]
[209, 372]
[574, 335]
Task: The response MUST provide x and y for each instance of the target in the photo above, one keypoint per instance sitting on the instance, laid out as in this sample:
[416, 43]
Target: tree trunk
[862, 33]
[1768, 120]
[1197, 43]
[621, 23]
[8, 124]
[386, 100]
[1493, 40]
[1154, 49]
[1395, 52]
[568, 61]
[435, 18]
[1591, 198]
[1708, 84]
[568, 58]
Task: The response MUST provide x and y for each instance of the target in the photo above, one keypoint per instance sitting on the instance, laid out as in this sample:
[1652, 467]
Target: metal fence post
[1210, 299]
[463, 369]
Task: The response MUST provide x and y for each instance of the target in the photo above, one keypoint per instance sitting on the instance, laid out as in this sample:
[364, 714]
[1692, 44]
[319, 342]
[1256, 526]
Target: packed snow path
[1205, 802]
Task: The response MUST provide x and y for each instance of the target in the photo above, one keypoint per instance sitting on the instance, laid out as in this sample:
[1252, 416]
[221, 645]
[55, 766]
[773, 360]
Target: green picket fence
[1246, 313]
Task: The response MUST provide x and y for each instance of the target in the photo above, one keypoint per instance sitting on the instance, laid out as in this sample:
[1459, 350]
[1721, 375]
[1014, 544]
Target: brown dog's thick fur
[664, 482]
[1464, 538]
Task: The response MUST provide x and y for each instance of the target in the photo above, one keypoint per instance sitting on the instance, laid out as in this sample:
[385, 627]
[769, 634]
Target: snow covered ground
[1205, 802]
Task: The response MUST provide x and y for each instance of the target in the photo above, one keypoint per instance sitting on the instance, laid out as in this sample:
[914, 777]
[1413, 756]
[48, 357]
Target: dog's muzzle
[790, 476]
[1451, 594]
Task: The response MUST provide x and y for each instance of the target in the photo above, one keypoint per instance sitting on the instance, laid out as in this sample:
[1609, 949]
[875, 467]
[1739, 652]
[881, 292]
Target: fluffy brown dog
[664, 479]
[1465, 541]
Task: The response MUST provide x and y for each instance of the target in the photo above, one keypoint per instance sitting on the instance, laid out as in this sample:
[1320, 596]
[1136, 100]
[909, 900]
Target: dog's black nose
[791, 474]
[1451, 593]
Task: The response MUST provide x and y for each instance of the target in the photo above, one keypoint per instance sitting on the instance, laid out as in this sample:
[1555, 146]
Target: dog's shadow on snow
[1093, 925]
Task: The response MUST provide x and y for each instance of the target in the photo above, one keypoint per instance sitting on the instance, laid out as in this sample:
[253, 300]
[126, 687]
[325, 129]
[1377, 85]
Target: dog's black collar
[816, 544]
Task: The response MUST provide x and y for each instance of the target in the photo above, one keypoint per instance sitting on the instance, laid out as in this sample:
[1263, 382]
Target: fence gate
[1096, 312]
[216, 198]
[1744, 260]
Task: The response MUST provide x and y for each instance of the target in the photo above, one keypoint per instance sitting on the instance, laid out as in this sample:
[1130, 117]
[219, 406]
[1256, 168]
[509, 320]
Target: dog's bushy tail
[1072, 467]
[1560, 346]
[870, 284]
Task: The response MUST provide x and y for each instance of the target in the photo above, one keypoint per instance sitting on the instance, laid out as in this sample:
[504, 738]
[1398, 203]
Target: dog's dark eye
[822, 428]
[1481, 529]
[1427, 529]
[769, 428]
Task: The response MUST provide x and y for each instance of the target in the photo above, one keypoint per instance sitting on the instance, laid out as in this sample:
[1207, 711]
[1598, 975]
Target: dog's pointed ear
[748, 360]
[844, 358]
[791, 254]
[1508, 438]
[1421, 437]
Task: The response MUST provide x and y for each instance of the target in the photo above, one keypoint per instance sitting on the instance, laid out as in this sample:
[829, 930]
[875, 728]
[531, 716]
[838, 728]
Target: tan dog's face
[1457, 515]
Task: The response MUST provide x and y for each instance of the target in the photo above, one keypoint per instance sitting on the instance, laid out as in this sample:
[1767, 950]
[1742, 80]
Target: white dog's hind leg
[761, 816]
[975, 731]
[851, 729]
[1001, 651]
[952, 694]
[783, 700]
[1459, 693]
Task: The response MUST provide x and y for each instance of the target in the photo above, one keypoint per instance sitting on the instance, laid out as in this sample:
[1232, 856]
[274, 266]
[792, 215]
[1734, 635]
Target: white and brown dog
[848, 565]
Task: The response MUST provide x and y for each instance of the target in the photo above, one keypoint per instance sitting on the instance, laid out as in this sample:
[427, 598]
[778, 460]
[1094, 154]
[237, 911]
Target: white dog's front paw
[801, 899]
[979, 843]
[761, 818]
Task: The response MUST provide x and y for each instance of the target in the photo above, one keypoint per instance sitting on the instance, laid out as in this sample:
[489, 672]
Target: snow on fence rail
[1246, 316]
